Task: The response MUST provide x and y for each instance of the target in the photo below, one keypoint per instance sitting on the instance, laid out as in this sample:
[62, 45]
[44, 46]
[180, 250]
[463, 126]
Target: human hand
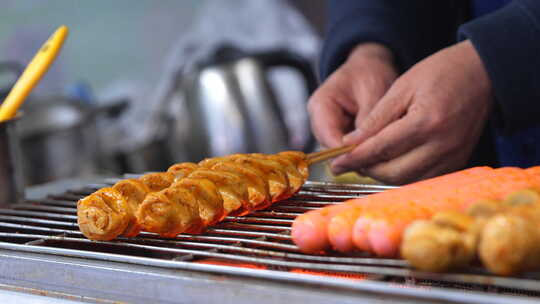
[351, 92]
[427, 123]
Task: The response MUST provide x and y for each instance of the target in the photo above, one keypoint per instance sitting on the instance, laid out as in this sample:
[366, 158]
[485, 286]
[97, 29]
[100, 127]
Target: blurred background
[142, 84]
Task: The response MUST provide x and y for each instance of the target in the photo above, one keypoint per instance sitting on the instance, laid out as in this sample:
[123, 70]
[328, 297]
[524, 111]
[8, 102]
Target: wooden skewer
[316, 157]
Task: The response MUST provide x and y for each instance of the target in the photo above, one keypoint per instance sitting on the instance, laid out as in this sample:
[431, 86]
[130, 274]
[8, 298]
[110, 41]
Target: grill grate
[260, 241]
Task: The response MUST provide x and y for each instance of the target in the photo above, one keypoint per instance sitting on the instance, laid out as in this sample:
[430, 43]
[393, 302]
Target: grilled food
[229, 186]
[510, 243]
[182, 215]
[510, 240]
[311, 230]
[104, 213]
[448, 241]
[257, 187]
[110, 212]
[190, 197]
[376, 223]
[432, 247]
[243, 183]
[504, 234]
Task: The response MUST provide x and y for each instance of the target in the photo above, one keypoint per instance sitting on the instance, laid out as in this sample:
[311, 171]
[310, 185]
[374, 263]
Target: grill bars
[261, 239]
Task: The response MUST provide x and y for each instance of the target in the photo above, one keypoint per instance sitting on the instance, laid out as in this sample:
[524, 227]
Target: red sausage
[314, 230]
[349, 229]
[309, 229]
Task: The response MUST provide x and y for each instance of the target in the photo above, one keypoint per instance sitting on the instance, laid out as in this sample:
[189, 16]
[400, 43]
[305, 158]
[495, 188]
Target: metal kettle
[230, 105]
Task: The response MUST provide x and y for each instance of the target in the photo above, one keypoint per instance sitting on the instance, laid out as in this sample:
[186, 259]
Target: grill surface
[258, 245]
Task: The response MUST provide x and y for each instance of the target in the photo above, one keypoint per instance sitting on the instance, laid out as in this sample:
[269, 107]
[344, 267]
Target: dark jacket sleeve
[508, 42]
[412, 29]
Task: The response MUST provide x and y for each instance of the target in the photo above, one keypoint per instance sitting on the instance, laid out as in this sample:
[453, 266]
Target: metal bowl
[59, 138]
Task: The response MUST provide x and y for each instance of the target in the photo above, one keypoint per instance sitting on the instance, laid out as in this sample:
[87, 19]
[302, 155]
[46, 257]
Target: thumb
[391, 107]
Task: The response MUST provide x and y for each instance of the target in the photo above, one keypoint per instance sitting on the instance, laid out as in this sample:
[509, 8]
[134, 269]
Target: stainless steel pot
[59, 138]
[230, 106]
[11, 173]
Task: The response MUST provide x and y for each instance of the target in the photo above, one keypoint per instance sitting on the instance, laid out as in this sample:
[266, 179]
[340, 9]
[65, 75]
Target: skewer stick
[316, 157]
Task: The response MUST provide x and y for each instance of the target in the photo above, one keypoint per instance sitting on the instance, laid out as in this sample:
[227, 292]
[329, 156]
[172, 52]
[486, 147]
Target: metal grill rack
[257, 245]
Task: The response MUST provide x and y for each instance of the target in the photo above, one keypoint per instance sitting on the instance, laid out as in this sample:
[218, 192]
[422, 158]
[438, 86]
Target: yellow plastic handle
[33, 73]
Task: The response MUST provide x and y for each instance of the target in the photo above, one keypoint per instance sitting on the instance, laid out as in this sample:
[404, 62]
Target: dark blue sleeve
[508, 41]
[412, 29]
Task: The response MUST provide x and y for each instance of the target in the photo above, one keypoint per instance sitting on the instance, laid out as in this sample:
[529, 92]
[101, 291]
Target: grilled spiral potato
[190, 197]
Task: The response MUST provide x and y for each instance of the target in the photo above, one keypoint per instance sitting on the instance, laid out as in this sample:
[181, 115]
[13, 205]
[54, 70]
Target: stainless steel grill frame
[44, 234]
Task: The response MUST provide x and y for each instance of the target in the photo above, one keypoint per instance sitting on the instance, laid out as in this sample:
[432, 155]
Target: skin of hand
[338, 106]
[427, 123]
